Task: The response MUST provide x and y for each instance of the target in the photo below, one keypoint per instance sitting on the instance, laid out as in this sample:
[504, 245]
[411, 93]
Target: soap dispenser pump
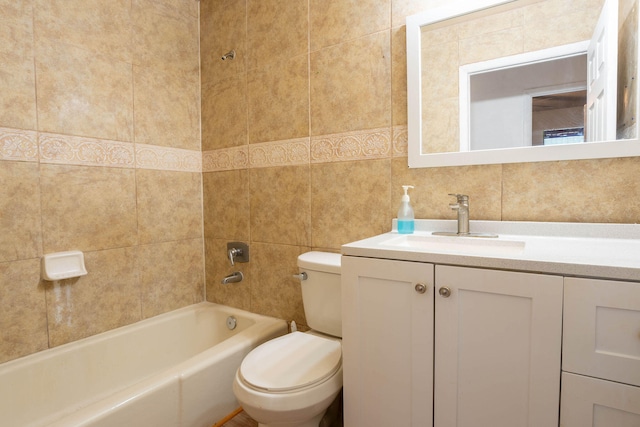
[405, 213]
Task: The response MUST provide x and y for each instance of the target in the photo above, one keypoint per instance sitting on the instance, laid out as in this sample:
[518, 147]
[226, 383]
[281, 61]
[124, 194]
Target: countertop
[569, 249]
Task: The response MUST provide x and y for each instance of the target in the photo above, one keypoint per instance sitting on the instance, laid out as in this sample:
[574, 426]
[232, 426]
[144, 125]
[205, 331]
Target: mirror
[470, 100]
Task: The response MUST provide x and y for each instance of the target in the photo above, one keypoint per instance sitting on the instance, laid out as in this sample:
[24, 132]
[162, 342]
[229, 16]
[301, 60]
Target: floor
[241, 420]
[332, 418]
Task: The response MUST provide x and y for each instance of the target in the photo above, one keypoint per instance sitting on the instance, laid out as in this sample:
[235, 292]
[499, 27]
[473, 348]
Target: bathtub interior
[129, 363]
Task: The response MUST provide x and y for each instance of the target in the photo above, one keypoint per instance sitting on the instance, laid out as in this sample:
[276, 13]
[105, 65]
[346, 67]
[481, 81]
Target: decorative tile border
[279, 153]
[33, 146]
[359, 145]
[167, 158]
[19, 145]
[225, 159]
[73, 150]
[22, 145]
[400, 141]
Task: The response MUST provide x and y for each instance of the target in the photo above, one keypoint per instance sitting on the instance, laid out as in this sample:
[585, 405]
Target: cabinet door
[387, 347]
[598, 403]
[602, 329]
[497, 348]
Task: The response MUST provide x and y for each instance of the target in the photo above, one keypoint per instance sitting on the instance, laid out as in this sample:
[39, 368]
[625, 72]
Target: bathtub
[171, 370]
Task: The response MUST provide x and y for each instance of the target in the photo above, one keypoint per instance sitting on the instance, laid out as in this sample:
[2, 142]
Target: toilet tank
[322, 292]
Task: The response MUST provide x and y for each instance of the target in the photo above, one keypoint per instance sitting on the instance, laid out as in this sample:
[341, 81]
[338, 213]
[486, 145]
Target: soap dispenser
[405, 213]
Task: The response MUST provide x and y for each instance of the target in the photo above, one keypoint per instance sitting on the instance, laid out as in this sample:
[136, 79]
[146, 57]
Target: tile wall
[99, 152]
[303, 146]
[304, 142]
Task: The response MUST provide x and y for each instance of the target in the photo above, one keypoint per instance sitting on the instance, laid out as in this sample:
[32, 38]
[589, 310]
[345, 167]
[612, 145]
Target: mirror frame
[418, 159]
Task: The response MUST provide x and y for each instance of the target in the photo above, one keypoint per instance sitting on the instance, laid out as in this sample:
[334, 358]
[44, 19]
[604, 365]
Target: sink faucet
[462, 206]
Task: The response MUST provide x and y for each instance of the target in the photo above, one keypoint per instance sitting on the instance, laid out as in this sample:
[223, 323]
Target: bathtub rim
[67, 347]
[263, 328]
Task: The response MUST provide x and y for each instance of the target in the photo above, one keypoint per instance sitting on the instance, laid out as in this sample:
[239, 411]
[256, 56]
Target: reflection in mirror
[558, 118]
[501, 99]
[532, 112]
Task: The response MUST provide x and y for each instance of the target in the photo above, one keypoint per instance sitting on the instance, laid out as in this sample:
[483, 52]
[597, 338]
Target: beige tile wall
[298, 158]
[100, 152]
[303, 147]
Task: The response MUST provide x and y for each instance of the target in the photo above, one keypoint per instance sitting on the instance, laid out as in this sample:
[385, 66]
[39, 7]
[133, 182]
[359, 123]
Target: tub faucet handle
[233, 252]
[237, 252]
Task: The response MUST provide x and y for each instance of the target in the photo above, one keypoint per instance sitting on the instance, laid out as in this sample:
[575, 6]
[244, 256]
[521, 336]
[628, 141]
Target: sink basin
[458, 244]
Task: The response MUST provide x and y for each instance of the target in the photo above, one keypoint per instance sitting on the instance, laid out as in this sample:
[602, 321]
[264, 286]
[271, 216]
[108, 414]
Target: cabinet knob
[444, 292]
[421, 288]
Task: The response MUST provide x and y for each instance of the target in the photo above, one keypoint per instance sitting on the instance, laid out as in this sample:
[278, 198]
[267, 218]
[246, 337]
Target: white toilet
[291, 380]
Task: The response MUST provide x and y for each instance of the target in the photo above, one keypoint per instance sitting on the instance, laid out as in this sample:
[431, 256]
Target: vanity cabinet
[497, 348]
[445, 346]
[387, 315]
[601, 354]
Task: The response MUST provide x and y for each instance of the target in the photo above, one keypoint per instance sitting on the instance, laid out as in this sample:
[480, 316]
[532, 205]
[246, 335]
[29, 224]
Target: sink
[458, 244]
[574, 249]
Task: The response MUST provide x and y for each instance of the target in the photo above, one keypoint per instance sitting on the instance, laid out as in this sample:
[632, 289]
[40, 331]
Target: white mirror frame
[418, 159]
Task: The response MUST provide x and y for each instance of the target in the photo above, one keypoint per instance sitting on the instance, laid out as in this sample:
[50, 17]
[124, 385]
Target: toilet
[291, 380]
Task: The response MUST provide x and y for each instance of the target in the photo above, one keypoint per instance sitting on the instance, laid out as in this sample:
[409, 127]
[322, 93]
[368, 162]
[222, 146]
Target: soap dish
[63, 265]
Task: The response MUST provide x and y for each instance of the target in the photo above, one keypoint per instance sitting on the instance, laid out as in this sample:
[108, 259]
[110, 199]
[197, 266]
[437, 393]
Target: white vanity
[539, 327]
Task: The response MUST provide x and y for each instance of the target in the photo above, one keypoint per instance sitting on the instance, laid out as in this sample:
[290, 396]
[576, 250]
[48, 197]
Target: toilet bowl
[291, 380]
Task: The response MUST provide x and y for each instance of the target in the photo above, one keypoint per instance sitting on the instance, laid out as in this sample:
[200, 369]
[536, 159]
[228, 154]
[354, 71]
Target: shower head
[229, 55]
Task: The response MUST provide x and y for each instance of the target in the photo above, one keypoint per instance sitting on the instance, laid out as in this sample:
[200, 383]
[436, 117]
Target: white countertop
[568, 249]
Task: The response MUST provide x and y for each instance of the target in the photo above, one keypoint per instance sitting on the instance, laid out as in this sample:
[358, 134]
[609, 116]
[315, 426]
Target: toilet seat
[292, 362]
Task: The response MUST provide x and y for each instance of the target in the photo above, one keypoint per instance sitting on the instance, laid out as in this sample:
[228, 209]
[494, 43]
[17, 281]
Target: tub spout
[234, 277]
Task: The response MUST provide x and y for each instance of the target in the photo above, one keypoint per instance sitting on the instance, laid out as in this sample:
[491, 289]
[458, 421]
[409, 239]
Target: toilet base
[332, 417]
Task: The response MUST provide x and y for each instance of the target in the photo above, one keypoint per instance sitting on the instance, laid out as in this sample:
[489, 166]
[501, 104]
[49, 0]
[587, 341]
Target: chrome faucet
[232, 254]
[462, 206]
[234, 277]
[237, 252]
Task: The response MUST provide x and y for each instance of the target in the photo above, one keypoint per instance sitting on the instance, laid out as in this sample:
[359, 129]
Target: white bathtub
[173, 370]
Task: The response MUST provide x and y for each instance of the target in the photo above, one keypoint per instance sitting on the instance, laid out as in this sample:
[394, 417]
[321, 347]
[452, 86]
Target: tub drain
[231, 322]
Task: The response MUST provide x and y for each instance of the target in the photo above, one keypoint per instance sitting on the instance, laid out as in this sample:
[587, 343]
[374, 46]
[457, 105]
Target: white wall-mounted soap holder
[63, 265]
